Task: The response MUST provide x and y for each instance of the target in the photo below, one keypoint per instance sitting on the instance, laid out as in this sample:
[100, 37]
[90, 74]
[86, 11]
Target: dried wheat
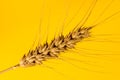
[57, 45]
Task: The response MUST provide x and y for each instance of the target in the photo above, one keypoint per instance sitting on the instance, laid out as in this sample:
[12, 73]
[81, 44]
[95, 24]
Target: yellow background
[20, 22]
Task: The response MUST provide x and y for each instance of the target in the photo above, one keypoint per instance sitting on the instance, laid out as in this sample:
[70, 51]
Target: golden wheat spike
[57, 45]
[52, 50]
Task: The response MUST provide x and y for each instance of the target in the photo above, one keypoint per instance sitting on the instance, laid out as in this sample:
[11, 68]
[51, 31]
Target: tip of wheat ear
[10, 68]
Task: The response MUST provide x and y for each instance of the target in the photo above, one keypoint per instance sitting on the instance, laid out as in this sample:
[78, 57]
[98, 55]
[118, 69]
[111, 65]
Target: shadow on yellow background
[23, 22]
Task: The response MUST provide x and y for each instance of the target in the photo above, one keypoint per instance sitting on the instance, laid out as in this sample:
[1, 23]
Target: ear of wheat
[52, 50]
[57, 45]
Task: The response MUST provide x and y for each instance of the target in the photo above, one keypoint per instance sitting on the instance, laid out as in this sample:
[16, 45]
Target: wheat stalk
[52, 50]
[57, 45]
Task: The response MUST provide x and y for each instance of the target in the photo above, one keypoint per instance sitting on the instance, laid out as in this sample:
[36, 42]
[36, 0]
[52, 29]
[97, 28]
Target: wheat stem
[10, 68]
